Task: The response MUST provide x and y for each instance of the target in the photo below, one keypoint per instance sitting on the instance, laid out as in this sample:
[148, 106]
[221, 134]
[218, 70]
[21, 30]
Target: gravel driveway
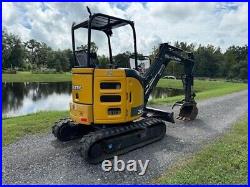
[42, 159]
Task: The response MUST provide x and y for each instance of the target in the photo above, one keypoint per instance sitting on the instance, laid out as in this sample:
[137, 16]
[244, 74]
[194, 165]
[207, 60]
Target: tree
[64, 60]
[208, 61]
[32, 52]
[43, 54]
[37, 53]
[184, 46]
[70, 57]
[5, 48]
[59, 60]
[93, 47]
[122, 59]
[155, 51]
[236, 62]
[103, 61]
[12, 50]
[16, 57]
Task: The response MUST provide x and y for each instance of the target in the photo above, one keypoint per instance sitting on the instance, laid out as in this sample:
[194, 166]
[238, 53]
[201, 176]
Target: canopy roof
[103, 22]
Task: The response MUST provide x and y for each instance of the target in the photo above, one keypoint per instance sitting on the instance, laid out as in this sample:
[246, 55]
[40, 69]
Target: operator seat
[82, 58]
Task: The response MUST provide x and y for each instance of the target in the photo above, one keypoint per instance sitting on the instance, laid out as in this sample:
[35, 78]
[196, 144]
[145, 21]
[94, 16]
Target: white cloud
[220, 24]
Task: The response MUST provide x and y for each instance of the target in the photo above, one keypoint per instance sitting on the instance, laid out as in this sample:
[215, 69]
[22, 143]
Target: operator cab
[86, 58]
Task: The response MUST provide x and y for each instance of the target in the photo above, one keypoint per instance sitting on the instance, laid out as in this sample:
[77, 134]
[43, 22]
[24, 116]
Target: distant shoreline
[36, 77]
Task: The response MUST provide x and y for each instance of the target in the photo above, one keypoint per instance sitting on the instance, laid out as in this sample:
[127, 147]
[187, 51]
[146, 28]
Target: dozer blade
[188, 111]
[159, 114]
[106, 143]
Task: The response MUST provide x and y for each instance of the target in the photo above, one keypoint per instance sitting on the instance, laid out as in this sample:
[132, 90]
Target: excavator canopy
[99, 22]
[103, 22]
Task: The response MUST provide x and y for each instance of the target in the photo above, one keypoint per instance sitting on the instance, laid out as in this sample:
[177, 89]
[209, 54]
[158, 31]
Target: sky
[217, 23]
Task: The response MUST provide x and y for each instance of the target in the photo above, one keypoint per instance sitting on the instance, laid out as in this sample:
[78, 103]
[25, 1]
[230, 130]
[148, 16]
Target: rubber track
[66, 122]
[90, 139]
[58, 124]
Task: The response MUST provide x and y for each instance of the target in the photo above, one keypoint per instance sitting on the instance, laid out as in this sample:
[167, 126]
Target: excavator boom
[166, 54]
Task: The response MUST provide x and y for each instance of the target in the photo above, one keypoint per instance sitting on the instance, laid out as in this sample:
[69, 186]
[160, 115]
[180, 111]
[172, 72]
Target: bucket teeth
[179, 117]
[183, 118]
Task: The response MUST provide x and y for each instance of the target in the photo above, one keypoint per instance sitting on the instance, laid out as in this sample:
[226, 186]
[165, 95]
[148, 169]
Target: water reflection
[24, 98]
[160, 92]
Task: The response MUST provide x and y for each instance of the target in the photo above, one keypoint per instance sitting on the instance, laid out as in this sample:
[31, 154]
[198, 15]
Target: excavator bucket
[188, 110]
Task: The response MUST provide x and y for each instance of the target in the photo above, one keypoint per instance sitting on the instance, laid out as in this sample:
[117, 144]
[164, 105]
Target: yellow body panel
[101, 107]
[135, 98]
[105, 96]
[82, 88]
[82, 70]
[110, 73]
[81, 113]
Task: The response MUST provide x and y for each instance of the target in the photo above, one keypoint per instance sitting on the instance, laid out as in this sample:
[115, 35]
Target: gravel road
[42, 159]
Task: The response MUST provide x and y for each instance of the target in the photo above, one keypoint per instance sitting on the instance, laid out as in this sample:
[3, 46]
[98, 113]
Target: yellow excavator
[109, 105]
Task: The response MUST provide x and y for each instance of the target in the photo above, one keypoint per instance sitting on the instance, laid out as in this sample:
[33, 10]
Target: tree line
[32, 55]
[210, 60]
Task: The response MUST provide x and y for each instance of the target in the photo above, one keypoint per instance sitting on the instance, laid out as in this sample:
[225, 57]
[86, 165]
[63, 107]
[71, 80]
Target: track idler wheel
[188, 111]
[65, 130]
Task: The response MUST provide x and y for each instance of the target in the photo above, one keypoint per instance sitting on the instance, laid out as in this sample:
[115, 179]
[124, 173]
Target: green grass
[222, 162]
[16, 127]
[204, 89]
[29, 77]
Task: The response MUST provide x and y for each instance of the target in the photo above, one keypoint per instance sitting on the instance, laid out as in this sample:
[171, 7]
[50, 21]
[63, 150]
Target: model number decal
[76, 87]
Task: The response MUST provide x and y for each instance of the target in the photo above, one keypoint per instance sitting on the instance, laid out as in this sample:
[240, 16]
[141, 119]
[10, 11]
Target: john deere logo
[76, 87]
[109, 72]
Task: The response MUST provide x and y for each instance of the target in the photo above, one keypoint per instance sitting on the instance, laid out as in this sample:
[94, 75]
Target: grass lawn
[222, 162]
[16, 127]
[204, 88]
[29, 77]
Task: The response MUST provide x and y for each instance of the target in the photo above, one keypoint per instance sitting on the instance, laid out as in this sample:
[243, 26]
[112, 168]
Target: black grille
[110, 85]
[110, 98]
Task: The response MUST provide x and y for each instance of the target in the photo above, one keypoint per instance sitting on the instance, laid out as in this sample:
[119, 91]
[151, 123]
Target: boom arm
[165, 55]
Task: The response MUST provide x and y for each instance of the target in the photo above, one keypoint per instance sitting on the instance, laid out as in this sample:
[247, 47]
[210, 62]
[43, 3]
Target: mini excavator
[109, 105]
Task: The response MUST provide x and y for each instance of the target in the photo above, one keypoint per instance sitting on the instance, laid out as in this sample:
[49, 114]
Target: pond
[24, 98]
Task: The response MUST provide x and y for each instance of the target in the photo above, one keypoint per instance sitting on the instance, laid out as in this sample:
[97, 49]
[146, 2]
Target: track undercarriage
[98, 144]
